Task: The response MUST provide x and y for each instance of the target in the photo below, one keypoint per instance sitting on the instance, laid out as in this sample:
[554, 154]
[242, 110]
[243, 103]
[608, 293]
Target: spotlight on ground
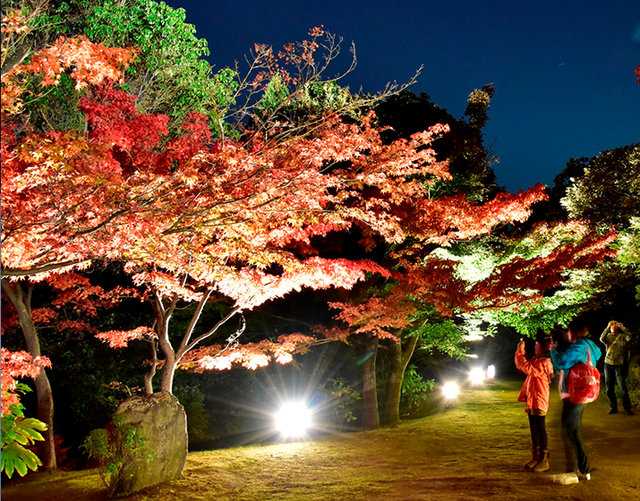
[450, 390]
[476, 376]
[293, 419]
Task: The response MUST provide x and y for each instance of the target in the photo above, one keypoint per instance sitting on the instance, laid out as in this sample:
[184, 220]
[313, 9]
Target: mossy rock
[162, 423]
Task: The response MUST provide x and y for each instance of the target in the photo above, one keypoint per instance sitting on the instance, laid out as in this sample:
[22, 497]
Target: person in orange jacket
[535, 392]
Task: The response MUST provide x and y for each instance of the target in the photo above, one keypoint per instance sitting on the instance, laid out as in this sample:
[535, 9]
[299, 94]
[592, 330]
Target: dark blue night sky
[563, 70]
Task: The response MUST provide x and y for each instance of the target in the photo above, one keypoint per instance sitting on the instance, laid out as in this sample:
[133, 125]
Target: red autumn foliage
[17, 364]
[88, 63]
[75, 294]
[194, 217]
[248, 355]
[436, 282]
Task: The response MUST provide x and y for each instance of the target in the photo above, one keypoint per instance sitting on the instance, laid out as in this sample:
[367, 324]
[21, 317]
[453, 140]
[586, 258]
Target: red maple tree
[431, 280]
[26, 174]
[193, 217]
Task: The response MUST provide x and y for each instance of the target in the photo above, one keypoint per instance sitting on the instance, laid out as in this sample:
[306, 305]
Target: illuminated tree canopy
[225, 191]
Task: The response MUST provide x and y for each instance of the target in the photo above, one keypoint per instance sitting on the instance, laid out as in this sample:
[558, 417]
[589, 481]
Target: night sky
[563, 70]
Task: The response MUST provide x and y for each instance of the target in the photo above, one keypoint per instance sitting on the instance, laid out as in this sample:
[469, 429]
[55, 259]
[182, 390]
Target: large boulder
[163, 425]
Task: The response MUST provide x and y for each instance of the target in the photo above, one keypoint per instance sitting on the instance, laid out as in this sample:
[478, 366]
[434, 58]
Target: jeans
[538, 432]
[615, 374]
[574, 447]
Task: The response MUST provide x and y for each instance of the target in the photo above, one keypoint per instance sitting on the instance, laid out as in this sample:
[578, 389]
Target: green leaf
[7, 466]
[17, 458]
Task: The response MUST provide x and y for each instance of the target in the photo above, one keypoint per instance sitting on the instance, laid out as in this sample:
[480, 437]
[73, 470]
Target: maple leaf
[121, 339]
[249, 355]
[17, 364]
[89, 63]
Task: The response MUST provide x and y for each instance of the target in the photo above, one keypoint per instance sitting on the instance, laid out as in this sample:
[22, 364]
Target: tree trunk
[44, 395]
[399, 359]
[370, 418]
[148, 377]
[163, 316]
[170, 361]
[168, 371]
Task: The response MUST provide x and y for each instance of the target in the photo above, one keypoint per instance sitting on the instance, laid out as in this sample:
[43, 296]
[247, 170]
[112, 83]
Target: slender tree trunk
[172, 356]
[370, 418]
[22, 303]
[399, 357]
[168, 371]
[170, 362]
[148, 377]
[163, 316]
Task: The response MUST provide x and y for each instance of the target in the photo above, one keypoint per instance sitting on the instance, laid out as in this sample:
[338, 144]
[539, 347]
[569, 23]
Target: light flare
[293, 419]
[450, 390]
[476, 376]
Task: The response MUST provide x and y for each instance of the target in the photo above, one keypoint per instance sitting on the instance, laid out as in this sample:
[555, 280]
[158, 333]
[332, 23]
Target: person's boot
[543, 462]
[534, 451]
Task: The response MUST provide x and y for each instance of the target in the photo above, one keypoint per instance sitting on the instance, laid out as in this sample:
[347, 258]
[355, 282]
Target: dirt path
[471, 451]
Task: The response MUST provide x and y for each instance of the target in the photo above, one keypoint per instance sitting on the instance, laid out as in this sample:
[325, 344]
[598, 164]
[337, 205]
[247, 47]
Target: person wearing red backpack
[577, 349]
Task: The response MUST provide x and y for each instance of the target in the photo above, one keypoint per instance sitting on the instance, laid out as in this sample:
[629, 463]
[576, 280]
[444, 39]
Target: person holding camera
[576, 349]
[616, 337]
[535, 393]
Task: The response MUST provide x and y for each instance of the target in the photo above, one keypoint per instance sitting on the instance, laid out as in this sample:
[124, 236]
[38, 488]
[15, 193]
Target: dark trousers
[615, 374]
[538, 432]
[574, 447]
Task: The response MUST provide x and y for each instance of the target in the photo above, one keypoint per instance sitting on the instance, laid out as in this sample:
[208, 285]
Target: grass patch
[473, 450]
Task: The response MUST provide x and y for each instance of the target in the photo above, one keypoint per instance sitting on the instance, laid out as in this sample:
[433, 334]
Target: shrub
[414, 392]
[340, 401]
[115, 449]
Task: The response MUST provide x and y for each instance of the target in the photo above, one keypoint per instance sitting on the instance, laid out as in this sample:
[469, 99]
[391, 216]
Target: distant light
[476, 376]
[450, 390]
[293, 419]
[491, 372]
[472, 355]
[473, 337]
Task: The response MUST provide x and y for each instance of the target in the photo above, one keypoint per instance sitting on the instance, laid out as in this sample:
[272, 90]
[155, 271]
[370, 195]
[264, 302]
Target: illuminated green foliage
[273, 98]
[116, 449]
[477, 262]
[18, 433]
[629, 250]
[443, 336]
[171, 76]
[605, 190]
[341, 401]
[415, 391]
[608, 190]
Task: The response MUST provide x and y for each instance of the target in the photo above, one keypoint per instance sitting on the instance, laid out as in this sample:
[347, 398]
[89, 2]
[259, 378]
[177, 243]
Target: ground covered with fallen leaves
[473, 450]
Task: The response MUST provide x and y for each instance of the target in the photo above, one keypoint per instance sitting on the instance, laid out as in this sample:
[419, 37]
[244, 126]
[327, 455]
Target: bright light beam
[450, 390]
[476, 376]
[293, 419]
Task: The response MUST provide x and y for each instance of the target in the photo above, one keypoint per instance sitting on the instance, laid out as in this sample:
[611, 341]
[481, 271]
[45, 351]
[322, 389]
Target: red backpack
[583, 382]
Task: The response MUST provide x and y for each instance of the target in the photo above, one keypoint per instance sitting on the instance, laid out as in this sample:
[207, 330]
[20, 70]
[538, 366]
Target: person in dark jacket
[578, 349]
[615, 337]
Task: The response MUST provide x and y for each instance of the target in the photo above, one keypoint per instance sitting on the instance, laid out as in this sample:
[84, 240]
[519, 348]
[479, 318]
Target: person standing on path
[577, 349]
[615, 337]
[535, 392]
